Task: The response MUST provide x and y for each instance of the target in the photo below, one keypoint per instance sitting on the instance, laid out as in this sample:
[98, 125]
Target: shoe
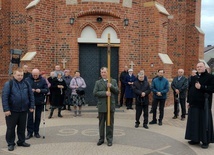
[145, 126]
[193, 142]
[136, 125]
[28, 136]
[37, 135]
[24, 144]
[153, 122]
[100, 143]
[117, 106]
[182, 118]
[160, 123]
[10, 147]
[204, 145]
[59, 115]
[109, 143]
[174, 117]
[151, 111]
[46, 109]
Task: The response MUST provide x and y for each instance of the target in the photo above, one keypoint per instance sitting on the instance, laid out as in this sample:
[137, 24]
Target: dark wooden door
[91, 59]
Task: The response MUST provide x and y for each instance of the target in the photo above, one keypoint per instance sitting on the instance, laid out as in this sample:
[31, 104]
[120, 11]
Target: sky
[207, 21]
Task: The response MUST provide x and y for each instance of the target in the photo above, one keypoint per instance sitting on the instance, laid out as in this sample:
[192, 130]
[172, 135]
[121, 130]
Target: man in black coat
[199, 124]
[179, 86]
[39, 88]
[141, 89]
[123, 75]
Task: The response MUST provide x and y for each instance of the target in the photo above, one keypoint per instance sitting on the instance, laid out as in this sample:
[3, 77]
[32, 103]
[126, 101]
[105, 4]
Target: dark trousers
[139, 109]
[129, 102]
[183, 106]
[33, 124]
[103, 126]
[161, 103]
[16, 119]
[122, 92]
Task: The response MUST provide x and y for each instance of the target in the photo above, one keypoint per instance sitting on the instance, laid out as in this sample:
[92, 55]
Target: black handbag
[80, 91]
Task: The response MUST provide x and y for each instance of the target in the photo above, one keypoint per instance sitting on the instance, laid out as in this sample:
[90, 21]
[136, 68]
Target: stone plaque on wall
[127, 3]
[165, 58]
[70, 2]
[28, 56]
[111, 1]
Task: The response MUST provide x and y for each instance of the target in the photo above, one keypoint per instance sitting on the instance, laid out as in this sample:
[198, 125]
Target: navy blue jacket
[18, 98]
[41, 84]
[160, 84]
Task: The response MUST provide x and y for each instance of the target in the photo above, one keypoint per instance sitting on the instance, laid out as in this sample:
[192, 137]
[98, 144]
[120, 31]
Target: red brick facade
[45, 28]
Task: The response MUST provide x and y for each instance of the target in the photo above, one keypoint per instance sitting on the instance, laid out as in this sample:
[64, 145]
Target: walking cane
[178, 102]
[206, 109]
[44, 119]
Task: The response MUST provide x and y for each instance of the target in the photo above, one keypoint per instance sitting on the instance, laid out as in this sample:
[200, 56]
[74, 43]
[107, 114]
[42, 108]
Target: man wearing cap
[129, 94]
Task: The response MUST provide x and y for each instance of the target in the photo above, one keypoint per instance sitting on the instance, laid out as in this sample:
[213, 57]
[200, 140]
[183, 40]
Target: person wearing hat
[129, 94]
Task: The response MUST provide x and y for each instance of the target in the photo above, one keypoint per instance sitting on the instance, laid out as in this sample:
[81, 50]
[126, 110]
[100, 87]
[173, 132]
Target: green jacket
[100, 89]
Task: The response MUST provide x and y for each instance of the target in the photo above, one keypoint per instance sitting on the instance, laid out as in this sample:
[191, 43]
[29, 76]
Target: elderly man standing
[39, 88]
[17, 99]
[199, 126]
[179, 86]
[58, 70]
[142, 90]
[100, 91]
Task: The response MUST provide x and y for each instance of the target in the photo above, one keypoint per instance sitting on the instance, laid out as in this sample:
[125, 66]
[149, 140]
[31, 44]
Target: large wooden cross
[108, 45]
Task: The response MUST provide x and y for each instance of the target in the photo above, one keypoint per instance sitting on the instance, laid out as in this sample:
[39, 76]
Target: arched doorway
[92, 58]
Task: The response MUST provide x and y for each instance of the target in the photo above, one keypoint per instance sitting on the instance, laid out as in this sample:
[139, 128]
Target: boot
[69, 107]
[51, 113]
[80, 113]
[59, 113]
[64, 107]
[75, 113]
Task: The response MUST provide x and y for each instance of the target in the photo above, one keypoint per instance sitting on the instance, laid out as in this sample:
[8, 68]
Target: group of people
[20, 97]
[196, 91]
[139, 88]
[24, 98]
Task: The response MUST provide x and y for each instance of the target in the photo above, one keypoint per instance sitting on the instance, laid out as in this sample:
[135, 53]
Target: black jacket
[138, 88]
[196, 96]
[181, 85]
[123, 77]
[41, 84]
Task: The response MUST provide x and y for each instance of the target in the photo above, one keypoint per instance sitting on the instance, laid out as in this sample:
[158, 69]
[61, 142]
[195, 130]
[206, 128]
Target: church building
[144, 34]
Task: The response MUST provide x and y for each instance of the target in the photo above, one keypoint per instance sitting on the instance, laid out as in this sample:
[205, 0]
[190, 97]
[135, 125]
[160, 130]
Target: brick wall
[45, 29]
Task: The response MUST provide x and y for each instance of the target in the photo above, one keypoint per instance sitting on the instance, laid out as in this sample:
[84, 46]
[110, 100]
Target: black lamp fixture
[126, 22]
[99, 19]
[72, 21]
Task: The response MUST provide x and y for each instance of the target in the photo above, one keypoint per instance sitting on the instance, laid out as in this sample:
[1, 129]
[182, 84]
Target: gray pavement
[79, 135]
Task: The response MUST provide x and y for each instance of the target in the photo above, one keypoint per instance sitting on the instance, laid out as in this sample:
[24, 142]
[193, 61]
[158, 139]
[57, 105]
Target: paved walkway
[79, 135]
